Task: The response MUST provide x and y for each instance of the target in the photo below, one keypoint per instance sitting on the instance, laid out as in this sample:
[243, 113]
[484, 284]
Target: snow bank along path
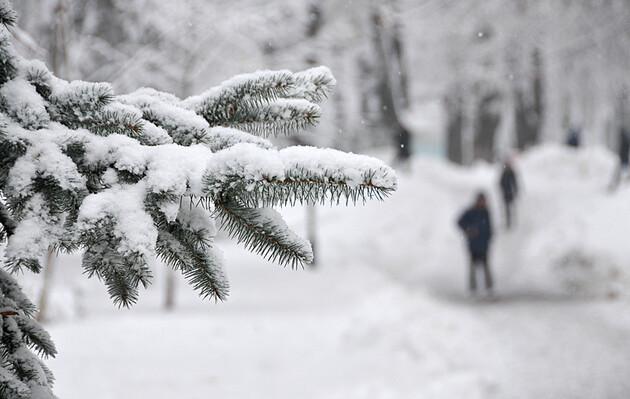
[386, 315]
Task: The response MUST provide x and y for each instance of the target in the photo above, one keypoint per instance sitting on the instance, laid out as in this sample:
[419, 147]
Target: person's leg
[508, 213]
[472, 278]
[487, 273]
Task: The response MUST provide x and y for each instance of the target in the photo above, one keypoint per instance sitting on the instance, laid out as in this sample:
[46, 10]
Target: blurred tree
[59, 59]
[556, 63]
[487, 119]
[529, 110]
[390, 75]
[454, 104]
[315, 22]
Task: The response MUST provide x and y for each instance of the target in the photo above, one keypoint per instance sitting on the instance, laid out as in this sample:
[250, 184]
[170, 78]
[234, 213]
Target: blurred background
[446, 91]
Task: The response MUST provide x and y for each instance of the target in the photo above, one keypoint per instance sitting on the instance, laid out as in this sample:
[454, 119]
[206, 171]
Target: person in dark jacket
[574, 137]
[477, 227]
[509, 190]
[624, 157]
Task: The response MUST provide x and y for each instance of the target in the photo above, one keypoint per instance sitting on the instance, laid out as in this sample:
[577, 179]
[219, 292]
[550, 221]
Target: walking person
[476, 225]
[574, 136]
[509, 191]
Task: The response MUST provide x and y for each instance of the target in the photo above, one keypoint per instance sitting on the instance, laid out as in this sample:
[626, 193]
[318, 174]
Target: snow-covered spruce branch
[78, 98]
[263, 231]
[122, 273]
[8, 16]
[185, 243]
[202, 266]
[7, 222]
[35, 337]
[299, 187]
[13, 298]
[220, 138]
[110, 119]
[257, 98]
[281, 117]
[22, 373]
[298, 175]
[182, 126]
[220, 103]
[36, 73]
[8, 61]
[314, 84]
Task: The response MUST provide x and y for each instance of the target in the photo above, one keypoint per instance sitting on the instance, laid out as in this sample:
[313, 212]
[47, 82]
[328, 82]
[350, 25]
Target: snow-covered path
[385, 316]
[371, 340]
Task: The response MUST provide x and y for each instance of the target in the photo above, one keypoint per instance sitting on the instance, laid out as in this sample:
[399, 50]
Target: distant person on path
[476, 226]
[509, 190]
[624, 158]
[574, 137]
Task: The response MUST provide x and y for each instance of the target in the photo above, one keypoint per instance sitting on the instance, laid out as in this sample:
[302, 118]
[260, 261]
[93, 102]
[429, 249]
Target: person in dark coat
[624, 157]
[476, 225]
[509, 189]
[574, 137]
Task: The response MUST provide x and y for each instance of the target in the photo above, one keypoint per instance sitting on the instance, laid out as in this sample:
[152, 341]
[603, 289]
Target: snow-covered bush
[124, 178]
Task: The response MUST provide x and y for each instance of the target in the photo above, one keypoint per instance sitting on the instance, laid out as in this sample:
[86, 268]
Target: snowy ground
[385, 314]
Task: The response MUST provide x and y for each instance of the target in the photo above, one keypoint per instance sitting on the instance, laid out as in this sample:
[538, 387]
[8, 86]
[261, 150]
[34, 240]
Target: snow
[339, 166]
[254, 164]
[125, 205]
[24, 104]
[246, 160]
[180, 122]
[233, 87]
[158, 95]
[314, 84]
[35, 232]
[16, 387]
[385, 313]
[220, 138]
[288, 108]
[80, 96]
[154, 135]
[193, 217]
[191, 165]
[294, 112]
[43, 160]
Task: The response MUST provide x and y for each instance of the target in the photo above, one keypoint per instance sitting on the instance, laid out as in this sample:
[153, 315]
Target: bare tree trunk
[392, 87]
[170, 289]
[44, 294]
[59, 50]
[313, 28]
[59, 55]
[109, 24]
[311, 229]
[454, 104]
[186, 84]
[529, 106]
[488, 117]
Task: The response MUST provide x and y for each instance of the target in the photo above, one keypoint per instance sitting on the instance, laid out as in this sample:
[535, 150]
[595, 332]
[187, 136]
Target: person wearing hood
[476, 225]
